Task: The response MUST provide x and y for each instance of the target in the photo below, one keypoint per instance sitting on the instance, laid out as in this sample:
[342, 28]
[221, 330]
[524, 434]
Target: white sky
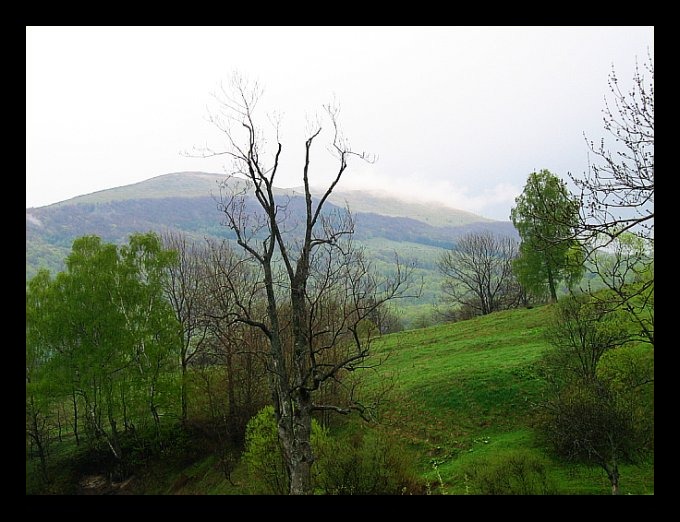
[459, 115]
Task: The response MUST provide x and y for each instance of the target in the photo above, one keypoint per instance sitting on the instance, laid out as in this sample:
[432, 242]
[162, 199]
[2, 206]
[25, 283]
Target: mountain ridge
[197, 183]
[188, 201]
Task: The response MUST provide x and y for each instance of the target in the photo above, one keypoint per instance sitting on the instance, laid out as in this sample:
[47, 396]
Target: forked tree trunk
[36, 435]
[613, 474]
[114, 439]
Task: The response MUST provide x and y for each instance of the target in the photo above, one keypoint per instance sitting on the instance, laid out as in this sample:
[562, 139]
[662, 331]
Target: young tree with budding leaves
[617, 199]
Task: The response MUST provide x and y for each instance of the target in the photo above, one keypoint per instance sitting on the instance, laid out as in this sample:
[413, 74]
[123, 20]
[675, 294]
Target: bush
[364, 462]
[511, 473]
[263, 457]
[360, 462]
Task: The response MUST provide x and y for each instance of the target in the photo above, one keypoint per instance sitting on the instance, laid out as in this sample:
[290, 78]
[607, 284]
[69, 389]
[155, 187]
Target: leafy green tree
[102, 334]
[38, 392]
[95, 334]
[545, 215]
[149, 318]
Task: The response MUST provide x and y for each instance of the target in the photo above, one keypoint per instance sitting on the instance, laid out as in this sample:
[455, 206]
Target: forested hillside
[188, 202]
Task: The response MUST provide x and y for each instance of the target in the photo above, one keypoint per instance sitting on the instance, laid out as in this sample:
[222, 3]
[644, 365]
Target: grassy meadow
[468, 391]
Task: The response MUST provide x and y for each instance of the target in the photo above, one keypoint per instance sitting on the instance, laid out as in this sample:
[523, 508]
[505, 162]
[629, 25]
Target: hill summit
[188, 201]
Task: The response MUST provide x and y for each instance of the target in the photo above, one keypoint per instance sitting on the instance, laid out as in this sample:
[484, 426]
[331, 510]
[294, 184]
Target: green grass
[470, 374]
[467, 390]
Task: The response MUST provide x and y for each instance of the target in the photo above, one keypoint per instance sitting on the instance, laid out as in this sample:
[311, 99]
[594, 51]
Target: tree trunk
[551, 286]
[123, 403]
[613, 474]
[75, 418]
[114, 440]
[183, 391]
[300, 456]
[37, 435]
[295, 431]
[154, 410]
[59, 424]
[42, 455]
[232, 421]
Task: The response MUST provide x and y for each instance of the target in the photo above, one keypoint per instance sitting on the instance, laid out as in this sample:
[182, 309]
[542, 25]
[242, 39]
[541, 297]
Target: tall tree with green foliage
[546, 215]
[103, 336]
[38, 392]
[149, 319]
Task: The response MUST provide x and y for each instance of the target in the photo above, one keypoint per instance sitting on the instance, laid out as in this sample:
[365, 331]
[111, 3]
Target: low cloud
[493, 202]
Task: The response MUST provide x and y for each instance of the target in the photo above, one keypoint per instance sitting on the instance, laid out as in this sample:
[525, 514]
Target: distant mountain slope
[201, 184]
[187, 201]
[432, 213]
[178, 184]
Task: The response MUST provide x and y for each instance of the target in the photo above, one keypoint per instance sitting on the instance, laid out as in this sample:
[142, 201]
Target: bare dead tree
[235, 291]
[478, 273]
[288, 270]
[184, 289]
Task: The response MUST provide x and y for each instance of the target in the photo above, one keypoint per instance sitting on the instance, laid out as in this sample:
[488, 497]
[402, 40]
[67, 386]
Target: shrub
[263, 457]
[359, 462]
[511, 473]
[364, 462]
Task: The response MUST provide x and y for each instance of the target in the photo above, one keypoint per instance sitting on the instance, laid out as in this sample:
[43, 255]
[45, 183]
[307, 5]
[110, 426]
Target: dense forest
[275, 360]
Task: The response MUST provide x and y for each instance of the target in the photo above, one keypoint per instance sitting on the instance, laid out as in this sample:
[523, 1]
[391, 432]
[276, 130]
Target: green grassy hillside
[466, 391]
[462, 394]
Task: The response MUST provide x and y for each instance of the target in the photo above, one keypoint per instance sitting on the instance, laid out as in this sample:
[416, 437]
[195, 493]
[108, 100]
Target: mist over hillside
[188, 201]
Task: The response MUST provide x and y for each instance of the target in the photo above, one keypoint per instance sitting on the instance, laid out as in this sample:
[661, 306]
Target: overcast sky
[459, 115]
